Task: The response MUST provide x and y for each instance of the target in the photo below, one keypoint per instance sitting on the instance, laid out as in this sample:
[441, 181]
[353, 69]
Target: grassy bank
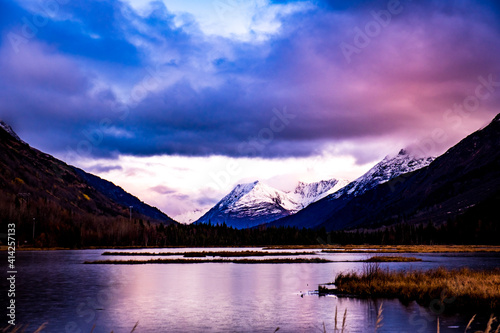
[203, 254]
[412, 249]
[453, 289]
[200, 261]
[391, 248]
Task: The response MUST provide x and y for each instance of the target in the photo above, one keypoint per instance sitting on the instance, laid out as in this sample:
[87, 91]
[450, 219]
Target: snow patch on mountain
[387, 169]
[305, 194]
[255, 203]
[190, 216]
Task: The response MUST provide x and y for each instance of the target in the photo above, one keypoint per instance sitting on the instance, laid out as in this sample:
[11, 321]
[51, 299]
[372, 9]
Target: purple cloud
[144, 85]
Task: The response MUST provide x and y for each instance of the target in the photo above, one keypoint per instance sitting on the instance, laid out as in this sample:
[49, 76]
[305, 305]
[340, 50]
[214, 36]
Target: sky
[179, 101]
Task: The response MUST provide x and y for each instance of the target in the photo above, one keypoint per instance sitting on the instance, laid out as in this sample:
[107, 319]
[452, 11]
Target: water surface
[55, 286]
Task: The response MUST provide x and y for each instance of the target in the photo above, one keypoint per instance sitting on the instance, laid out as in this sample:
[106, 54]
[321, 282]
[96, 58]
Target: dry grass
[336, 329]
[203, 254]
[392, 259]
[462, 288]
[410, 249]
[200, 261]
[489, 325]
[380, 317]
[378, 324]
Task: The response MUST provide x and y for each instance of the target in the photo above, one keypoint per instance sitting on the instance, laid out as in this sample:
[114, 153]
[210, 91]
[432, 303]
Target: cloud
[112, 79]
[160, 189]
[101, 168]
[247, 21]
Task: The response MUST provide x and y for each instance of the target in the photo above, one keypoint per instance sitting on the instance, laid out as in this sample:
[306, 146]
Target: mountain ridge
[248, 205]
[29, 173]
[382, 172]
[465, 176]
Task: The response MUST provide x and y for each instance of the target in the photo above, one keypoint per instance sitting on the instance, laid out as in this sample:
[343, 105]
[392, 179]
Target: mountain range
[252, 204]
[248, 205]
[52, 187]
[464, 181]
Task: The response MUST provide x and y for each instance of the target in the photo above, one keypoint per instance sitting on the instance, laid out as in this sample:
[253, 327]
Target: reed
[408, 248]
[456, 289]
[344, 320]
[201, 254]
[380, 317]
[199, 261]
[470, 323]
[344, 328]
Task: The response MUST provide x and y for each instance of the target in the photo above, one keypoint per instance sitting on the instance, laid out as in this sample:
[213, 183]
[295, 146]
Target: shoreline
[455, 289]
[368, 249]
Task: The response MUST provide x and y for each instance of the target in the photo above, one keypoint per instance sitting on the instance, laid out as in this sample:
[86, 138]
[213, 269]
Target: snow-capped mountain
[248, 205]
[255, 203]
[190, 216]
[305, 193]
[387, 169]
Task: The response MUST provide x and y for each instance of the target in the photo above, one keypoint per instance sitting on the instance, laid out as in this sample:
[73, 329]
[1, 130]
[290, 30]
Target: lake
[56, 287]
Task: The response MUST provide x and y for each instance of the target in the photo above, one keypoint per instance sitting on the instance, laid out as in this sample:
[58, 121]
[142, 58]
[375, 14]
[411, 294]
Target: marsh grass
[22, 328]
[344, 328]
[454, 289]
[380, 317]
[203, 254]
[392, 259]
[488, 329]
[344, 319]
[201, 261]
[409, 249]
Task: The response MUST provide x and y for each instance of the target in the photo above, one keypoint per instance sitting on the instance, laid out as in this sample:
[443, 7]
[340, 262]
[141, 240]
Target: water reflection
[211, 297]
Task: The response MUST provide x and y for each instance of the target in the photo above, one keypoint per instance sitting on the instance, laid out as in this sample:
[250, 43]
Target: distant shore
[326, 248]
[366, 248]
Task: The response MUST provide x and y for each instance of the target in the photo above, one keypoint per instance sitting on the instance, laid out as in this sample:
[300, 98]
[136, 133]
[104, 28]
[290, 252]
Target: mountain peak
[254, 203]
[6, 127]
[391, 166]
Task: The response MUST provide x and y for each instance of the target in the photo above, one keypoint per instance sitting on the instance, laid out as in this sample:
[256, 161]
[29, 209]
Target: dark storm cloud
[102, 80]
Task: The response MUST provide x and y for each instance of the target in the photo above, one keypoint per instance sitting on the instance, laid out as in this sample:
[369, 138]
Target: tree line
[44, 224]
